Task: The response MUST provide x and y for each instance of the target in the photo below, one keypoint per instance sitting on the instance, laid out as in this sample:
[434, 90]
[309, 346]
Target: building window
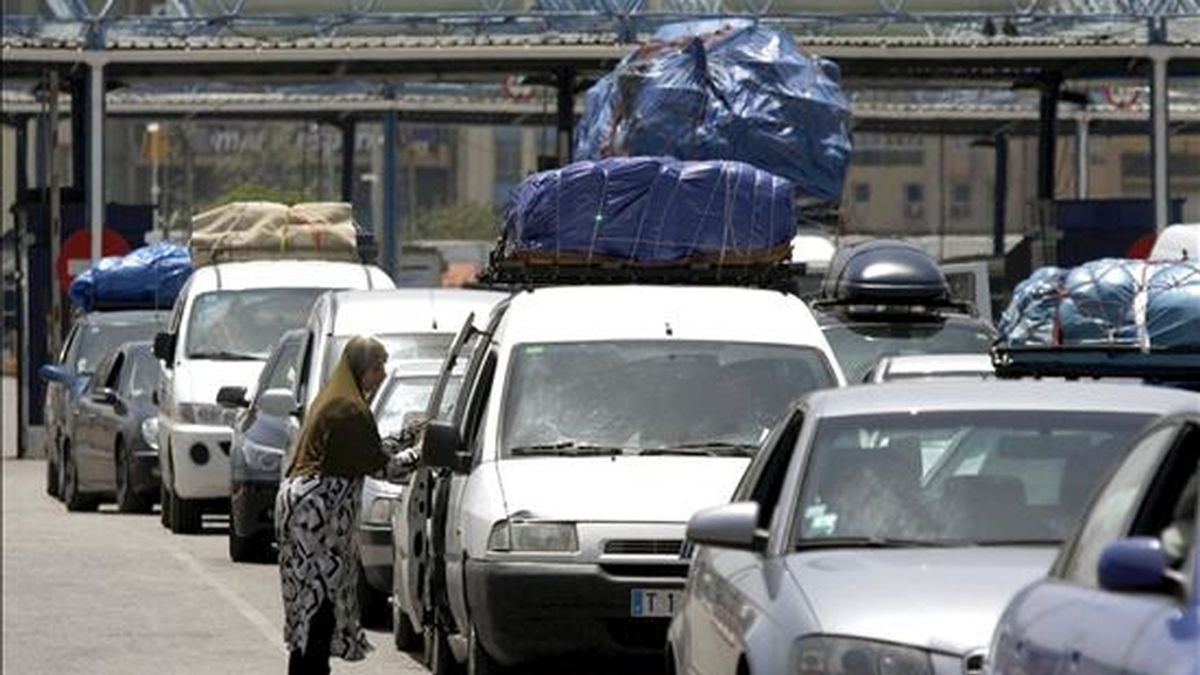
[960, 201]
[914, 201]
[862, 193]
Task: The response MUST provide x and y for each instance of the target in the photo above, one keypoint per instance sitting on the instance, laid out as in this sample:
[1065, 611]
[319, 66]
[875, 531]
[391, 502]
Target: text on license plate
[650, 602]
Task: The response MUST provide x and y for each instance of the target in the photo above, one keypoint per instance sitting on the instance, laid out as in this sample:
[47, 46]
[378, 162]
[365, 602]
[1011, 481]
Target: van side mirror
[442, 447]
[277, 402]
[1134, 564]
[232, 397]
[53, 373]
[164, 348]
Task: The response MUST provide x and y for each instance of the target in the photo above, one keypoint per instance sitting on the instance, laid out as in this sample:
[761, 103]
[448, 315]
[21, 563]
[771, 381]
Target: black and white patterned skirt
[315, 524]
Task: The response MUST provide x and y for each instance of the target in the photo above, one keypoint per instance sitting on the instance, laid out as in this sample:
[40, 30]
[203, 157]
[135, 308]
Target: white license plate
[652, 602]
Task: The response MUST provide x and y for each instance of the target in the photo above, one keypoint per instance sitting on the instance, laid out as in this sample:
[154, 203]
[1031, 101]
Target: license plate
[652, 602]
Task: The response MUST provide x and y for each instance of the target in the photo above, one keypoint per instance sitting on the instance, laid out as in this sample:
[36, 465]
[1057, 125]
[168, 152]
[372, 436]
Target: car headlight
[380, 511]
[824, 655]
[150, 431]
[205, 413]
[261, 457]
[532, 536]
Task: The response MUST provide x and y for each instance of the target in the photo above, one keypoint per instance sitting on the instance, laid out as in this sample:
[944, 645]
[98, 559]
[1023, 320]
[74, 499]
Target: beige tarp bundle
[267, 230]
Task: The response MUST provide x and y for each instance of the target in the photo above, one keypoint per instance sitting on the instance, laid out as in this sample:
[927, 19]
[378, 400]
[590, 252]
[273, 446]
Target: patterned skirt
[315, 524]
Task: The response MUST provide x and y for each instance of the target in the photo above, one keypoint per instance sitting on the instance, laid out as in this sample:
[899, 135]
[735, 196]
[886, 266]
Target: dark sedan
[92, 337]
[113, 452]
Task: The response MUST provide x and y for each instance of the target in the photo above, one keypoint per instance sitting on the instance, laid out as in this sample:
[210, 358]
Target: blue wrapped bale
[744, 93]
[1108, 302]
[149, 277]
[650, 210]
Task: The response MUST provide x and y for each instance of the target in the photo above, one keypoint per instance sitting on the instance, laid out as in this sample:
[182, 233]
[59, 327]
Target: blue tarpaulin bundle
[742, 92]
[1110, 301]
[650, 210]
[148, 277]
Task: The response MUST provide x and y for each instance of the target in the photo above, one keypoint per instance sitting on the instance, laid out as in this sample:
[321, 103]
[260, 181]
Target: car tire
[438, 657]
[164, 506]
[479, 661]
[51, 477]
[404, 635]
[74, 500]
[372, 605]
[129, 500]
[248, 549]
[186, 516]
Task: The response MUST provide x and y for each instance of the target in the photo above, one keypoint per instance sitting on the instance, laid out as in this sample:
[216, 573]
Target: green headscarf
[339, 436]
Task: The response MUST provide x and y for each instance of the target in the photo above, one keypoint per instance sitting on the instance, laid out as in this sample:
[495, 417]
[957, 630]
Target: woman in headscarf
[316, 512]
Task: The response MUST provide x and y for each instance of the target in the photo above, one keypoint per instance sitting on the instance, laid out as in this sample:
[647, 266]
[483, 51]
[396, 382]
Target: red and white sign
[75, 256]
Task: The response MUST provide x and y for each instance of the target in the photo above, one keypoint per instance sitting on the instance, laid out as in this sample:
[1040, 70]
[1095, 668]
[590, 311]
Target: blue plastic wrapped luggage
[1149, 305]
[148, 277]
[744, 93]
[650, 210]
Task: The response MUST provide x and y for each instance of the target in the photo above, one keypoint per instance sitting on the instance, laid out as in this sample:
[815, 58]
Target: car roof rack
[781, 276]
[1096, 361]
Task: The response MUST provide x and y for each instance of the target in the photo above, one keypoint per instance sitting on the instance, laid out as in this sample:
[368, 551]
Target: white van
[224, 324]
[592, 421]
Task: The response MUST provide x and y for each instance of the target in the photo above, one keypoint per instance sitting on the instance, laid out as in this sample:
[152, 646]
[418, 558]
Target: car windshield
[956, 478]
[96, 341]
[245, 324]
[400, 346]
[404, 395]
[858, 345]
[659, 396]
[144, 377]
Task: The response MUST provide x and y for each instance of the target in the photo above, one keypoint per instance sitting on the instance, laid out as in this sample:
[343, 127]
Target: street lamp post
[155, 150]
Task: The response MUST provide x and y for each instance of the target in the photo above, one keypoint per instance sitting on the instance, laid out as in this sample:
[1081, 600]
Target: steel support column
[95, 157]
[391, 225]
[566, 115]
[80, 93]
[1160, 149]
[1047, 137]
[349, 136]
[21, 126]
[1083, 125]
[1000, 195]
[21, 294]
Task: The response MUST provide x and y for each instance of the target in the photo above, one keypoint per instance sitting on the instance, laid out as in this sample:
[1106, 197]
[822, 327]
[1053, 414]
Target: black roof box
[884, 272]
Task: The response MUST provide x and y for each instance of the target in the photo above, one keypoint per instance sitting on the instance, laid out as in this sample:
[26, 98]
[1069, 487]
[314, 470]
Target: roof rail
[779, 276]
[1095, 361]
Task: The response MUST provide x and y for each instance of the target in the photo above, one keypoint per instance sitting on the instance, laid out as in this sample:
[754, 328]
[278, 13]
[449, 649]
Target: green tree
[459, 221]
[254, 192]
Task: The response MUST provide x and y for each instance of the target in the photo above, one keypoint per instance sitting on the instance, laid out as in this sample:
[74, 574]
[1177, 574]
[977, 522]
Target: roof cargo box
[884, 272]
[267, 230]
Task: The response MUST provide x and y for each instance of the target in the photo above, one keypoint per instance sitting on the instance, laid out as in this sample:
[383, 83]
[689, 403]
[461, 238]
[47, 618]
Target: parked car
[1122, 598]
[591, 423]
[884, 528]
[93, 335]
[225, 322]
[930, 366]
[398, 407]
[886, 298]
[260, 442]
[113, 454]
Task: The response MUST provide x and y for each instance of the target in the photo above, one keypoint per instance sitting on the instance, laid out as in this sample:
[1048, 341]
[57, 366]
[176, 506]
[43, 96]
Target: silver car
[883, 529]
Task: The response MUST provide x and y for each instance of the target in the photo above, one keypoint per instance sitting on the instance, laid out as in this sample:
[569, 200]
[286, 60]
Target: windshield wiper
[567, 449]
[226, 356]
[1019, 542]
[719, 449]
[872, 542]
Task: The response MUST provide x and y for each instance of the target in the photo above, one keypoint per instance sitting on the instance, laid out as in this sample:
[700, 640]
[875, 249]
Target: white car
[592, 421]
[224, 324]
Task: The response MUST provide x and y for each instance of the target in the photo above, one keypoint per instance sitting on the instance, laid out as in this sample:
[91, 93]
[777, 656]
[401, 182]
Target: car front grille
[643, 546]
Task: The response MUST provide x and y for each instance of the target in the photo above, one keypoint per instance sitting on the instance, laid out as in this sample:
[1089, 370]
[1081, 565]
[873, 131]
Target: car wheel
[72, 497]
[404, 636]
[51, 477]
[479, 661]
[372, 605]
[255, 548]
[129, 500]
[438, 657]
[186, 516]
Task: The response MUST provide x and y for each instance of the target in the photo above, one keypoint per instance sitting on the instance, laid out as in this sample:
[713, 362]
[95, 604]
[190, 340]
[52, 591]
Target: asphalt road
[108, 592]
[113, 593]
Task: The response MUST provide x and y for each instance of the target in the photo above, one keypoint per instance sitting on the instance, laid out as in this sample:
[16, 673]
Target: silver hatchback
[882, 530]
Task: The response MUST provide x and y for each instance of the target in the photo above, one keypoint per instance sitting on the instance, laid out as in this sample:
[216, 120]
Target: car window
[142, 375]
[284, 372]
[99, 378]
[95, 341]
[400, 347]
[112, 380]
[770, 481]
[1113, 508]
[858, 345]
[1168, 510]
[406, 395]
[480, 399]
[1016, 476]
